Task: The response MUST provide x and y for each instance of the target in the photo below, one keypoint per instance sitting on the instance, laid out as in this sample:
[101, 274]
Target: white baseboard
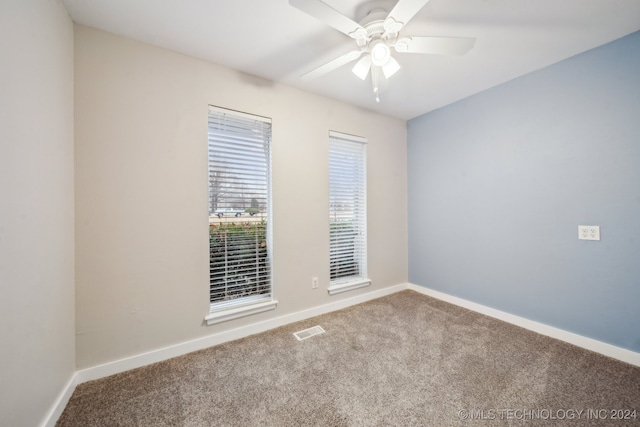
[60, 403]
[609, 350]
[180, 349]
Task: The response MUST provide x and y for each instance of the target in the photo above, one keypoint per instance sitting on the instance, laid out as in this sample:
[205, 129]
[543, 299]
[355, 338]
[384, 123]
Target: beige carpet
[401, 360]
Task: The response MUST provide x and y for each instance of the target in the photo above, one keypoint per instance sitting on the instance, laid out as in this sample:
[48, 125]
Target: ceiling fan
[376, 34]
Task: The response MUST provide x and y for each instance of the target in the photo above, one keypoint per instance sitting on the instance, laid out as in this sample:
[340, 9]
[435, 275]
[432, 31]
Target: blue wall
[500, 181]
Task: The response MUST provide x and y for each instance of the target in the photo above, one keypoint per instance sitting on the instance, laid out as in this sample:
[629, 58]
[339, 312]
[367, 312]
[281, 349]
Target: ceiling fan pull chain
[375, 77]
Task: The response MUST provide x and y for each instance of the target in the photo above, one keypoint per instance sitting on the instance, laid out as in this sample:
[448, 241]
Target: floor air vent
[308, 333]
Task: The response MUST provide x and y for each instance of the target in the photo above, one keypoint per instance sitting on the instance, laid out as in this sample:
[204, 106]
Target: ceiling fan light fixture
[390, 68]
[361, 69]
[380, 53]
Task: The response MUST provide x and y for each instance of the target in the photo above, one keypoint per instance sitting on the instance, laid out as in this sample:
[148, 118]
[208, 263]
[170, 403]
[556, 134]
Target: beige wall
[141, 193]
[37, 350]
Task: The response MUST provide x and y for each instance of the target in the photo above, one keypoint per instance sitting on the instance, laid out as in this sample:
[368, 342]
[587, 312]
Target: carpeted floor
[402, 360]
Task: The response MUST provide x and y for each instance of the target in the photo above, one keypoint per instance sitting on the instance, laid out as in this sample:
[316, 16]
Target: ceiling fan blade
[330, 16]
[435, 45]
[402, 13]
[332, 65]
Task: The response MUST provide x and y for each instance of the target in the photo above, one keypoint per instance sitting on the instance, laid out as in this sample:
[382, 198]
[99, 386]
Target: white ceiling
[273, 40]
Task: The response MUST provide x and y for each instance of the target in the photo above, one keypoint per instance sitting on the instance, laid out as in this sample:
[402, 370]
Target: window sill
[348, 286]
[235, 313]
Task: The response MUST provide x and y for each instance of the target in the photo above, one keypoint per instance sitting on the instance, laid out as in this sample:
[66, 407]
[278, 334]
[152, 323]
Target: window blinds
[239, 207]
[347, 207]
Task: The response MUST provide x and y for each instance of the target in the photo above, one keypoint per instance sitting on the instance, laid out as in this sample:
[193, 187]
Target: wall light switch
[589, 232]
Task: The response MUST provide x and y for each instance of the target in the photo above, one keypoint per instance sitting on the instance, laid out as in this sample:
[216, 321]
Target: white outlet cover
[589, 232]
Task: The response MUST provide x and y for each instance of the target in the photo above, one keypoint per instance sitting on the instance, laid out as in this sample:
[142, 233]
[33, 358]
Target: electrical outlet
[314, 283]
[589, 232]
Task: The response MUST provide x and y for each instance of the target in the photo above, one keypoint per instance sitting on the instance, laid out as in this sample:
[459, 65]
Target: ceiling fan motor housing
[374, 24]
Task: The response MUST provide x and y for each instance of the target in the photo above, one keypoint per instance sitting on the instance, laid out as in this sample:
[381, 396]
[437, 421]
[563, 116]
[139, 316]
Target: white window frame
[224, 310]
[348, 176]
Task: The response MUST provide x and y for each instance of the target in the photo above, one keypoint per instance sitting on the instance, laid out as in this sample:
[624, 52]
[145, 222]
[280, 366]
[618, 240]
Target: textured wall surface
[141, 193]
[499, 182]
[37, 350]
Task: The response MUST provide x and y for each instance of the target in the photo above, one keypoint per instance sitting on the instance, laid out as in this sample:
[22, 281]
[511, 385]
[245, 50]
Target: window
[347, 212]
[239, 215]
